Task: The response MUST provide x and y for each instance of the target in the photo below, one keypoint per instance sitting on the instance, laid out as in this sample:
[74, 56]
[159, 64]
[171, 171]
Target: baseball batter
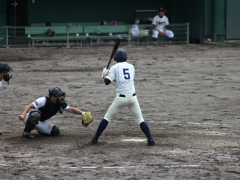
[160, 21]
[35, 114]
[123, 73]
[6, 74]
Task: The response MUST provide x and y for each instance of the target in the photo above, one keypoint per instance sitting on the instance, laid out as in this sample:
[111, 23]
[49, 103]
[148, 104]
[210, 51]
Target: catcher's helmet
[56, 92]
[4, 68]
[120, 54]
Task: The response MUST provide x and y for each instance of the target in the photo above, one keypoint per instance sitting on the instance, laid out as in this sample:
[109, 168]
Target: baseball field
[189, 96]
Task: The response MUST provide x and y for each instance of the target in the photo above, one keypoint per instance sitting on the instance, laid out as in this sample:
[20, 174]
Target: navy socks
[145, 129]
[102, 126]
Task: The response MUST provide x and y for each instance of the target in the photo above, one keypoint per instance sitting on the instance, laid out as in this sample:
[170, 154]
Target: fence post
[68, 36]
[188, 32]
[129, 26]
[6, 36]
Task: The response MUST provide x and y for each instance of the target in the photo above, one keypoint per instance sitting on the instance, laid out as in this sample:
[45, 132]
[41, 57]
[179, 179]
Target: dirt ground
[189, 95]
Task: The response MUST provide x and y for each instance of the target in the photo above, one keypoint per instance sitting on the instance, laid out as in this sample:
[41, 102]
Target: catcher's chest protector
[49, 110]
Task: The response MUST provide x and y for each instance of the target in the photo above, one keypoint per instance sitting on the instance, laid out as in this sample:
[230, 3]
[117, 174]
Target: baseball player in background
[6, 74]
[160, 21]
[123, 73]
[35, 114]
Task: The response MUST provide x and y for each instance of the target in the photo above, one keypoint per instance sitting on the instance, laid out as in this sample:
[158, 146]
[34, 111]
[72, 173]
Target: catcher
[35, 114]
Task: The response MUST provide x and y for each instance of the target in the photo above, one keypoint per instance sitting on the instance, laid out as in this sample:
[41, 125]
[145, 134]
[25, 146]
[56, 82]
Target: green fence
[70, 36]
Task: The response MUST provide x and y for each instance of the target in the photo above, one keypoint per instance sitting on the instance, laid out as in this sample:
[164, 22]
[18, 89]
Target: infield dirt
[189, 95]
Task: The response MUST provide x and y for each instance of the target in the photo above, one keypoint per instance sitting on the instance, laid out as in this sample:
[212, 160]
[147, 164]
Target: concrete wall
[214, 10]
[232, 19]
[85, 11]
[189, 11]
[3, 13]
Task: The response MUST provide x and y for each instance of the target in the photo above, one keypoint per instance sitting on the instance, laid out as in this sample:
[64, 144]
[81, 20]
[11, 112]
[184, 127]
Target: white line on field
[174, 166]
[227, 157]
[134, 140]
[107, 167]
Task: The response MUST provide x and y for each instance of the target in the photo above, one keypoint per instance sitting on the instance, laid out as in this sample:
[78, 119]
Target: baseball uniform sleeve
[112, 74]
[40, 102]
[167, 22]
[66, 108]
[154, 21]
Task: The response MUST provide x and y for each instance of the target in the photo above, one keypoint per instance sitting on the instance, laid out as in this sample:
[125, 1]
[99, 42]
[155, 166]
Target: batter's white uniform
[160, 25]
[42, 126]
[123, 73]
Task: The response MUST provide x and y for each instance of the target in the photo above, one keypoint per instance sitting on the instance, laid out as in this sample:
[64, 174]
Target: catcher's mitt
[87, 118]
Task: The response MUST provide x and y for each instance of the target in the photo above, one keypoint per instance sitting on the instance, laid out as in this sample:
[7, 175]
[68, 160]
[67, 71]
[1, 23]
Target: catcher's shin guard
[29, 126]
[55, 130]
[34, 116]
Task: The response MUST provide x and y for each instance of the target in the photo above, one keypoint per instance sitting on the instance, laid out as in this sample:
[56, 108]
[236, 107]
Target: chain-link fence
[145, 16]
[2, 36]
[79, 36]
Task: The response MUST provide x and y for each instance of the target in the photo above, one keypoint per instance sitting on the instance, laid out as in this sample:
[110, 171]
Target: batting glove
[104, 72]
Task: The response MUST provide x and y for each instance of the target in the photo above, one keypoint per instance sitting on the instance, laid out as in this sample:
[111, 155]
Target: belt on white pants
[122, 95]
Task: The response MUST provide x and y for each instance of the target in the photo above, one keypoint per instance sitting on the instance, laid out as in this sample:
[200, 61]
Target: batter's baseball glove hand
[87, 118]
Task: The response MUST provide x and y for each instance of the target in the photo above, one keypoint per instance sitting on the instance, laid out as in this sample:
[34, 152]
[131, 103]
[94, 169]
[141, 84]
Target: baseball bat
[114, 50]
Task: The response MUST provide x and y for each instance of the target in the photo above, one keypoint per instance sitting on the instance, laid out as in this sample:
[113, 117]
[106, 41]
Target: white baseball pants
[119, 103]
[168, 33]
[42, 126]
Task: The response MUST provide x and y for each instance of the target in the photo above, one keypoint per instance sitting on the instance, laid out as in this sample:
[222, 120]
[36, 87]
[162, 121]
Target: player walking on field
[6, 74]
[123, 73]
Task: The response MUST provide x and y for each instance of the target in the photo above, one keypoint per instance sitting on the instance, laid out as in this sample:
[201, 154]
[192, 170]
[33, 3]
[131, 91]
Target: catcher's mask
[56, 92]
[120, 55]
[4, 68]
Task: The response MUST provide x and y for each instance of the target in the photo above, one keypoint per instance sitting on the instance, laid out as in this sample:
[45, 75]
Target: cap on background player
[161, 9]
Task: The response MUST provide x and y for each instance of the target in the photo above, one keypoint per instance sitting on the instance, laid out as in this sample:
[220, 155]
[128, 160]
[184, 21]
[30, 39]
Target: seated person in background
[160, 21]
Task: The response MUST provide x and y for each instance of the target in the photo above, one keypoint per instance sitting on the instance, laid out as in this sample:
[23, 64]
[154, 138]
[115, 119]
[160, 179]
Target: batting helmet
[56, 92]
[120, 54]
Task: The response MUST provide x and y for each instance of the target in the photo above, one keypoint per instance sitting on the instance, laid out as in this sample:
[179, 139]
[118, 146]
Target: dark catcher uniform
[47, 110]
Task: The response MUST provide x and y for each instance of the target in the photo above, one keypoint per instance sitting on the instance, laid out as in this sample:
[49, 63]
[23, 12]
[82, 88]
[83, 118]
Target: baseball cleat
[28, 135]
[151, 143]
[94, 141]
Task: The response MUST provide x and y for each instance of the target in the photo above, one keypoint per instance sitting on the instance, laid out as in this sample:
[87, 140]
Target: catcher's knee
[55, 130]
[34, 116]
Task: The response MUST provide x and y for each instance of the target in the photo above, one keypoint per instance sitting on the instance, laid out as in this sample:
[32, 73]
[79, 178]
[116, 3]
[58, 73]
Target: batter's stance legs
[103, 124]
